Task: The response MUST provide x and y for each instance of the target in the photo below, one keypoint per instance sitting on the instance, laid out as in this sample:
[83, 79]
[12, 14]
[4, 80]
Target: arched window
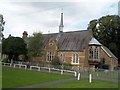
[62, 58]
[50, 56]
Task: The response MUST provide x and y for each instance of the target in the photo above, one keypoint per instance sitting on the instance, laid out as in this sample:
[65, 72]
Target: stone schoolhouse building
[77, 48]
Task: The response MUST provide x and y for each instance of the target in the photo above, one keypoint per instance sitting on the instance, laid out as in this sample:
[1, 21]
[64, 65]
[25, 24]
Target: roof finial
[61, 23]
[62, 10]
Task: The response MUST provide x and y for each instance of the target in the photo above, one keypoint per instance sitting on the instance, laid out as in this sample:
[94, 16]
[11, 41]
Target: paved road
[47, 83]
[40, 85]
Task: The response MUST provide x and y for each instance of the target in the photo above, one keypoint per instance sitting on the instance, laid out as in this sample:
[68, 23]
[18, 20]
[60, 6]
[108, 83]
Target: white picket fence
[20, 65]
[53, 69]
[39, 68]
[47, 68]
[15, 65]
[7, 64]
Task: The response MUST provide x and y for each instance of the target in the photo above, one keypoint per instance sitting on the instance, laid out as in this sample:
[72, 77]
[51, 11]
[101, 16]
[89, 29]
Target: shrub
[105, 66]
[56, 62]
[5, 60]
[67, 66]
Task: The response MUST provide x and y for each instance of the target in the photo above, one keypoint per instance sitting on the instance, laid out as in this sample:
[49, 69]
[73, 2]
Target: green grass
[15, 77]
[83, 83]
[0, 77]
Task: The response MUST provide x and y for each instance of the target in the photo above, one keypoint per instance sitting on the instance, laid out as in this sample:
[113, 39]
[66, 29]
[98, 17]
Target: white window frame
[75, 59]
[95, 53]
[50, 56]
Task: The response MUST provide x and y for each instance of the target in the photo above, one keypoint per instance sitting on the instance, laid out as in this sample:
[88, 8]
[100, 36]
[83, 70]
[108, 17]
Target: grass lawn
[15, 77]
[83, 83]
[0, 77]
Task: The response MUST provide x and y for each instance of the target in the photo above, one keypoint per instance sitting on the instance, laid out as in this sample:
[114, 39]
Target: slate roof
[75, 41]
[109, 53]
[94, 42]
[69, 41]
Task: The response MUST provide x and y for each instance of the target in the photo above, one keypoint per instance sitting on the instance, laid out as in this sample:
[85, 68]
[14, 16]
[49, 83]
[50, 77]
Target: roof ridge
[67, 32]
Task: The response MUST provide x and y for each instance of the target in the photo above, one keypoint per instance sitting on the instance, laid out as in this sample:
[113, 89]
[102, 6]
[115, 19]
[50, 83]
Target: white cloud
[45, 16]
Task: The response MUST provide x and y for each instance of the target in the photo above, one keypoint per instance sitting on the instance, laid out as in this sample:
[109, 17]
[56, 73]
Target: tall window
[50, 56]
[75, 58]
[61, 57]
[94, 53]
[91, 53]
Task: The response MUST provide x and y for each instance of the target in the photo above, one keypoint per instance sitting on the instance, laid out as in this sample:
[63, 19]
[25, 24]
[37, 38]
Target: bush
[105, 66]
[67, 66]
[5, 60]
[55, 61]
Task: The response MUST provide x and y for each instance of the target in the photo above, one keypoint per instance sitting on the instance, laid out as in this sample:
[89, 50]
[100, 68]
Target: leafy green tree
[107, 30]
[2, 22]
[35, 45]
[13, 47]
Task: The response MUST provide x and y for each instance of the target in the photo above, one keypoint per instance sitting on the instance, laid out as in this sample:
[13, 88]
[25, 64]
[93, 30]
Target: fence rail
[73, 71]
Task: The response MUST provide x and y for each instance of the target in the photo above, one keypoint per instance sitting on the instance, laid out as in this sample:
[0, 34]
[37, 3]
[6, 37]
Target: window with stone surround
[50, 55]
[93, 53]
[75, 59]
[62, 58]
[96, 53]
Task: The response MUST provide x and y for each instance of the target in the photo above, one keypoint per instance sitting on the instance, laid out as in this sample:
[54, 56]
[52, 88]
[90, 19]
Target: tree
[35, 45]
[2, 22]
[107, 30]
[13, 47]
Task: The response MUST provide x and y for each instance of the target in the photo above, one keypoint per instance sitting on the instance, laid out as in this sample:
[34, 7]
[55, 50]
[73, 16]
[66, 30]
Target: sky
[44, 15]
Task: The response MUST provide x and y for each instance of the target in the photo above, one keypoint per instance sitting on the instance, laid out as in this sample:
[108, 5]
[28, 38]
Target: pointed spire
[61, 23]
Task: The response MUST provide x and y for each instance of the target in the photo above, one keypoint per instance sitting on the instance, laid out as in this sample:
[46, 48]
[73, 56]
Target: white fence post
[30, 67]
[39, 69]
[78, 76]
[25, 66]
[14, 65]
[49, 69]
[90, 78]
[11, 65]
[61, 72]
[19, 65]
[75, 74]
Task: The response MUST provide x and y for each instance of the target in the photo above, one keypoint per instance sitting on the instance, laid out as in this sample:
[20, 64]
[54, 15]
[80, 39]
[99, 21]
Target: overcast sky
[38, 16]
